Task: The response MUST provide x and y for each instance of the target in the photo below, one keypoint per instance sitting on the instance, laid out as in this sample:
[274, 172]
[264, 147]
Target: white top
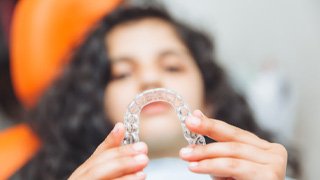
[171, 168]
[174, 168]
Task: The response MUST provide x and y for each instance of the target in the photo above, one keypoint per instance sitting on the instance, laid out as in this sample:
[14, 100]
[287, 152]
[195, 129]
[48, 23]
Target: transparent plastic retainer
[131, 118]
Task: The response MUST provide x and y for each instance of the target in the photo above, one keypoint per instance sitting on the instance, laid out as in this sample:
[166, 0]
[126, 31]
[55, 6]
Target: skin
[148, 54]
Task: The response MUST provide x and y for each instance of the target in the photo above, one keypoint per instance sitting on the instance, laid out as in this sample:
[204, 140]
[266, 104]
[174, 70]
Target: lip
[155, 108]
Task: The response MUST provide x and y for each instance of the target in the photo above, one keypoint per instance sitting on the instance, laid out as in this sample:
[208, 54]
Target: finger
[137, 176]
[221, 131]
[119, 167]
[229, 167]
[122, 151]
[114, 139]
[226, 149]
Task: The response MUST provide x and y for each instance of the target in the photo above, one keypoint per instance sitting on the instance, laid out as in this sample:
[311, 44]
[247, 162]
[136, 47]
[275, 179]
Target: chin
[163, 137]
[164, 144]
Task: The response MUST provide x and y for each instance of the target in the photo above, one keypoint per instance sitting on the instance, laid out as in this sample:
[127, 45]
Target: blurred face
[148, 54]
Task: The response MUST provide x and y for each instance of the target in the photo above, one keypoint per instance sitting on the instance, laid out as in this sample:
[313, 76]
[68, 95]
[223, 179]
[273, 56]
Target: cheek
[191, 87]
[116, 99]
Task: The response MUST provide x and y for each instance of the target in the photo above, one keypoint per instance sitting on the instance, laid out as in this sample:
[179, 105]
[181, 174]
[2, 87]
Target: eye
[121, 76]
[172, 68]
[121, 70]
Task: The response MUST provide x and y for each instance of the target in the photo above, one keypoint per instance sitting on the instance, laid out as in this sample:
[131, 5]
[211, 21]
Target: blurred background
[270, 49]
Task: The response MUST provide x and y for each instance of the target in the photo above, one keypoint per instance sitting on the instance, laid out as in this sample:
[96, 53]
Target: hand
[237, 154]
[113, 161]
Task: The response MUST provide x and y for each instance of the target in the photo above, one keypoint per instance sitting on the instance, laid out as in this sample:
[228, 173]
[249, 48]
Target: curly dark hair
[9, 104]
[70, 120]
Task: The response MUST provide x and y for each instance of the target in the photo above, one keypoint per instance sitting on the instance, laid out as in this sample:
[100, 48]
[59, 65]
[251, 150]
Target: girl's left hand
[237, 154]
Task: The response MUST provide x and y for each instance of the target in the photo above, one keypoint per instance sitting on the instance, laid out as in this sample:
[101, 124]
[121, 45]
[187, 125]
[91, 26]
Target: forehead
[143, 37]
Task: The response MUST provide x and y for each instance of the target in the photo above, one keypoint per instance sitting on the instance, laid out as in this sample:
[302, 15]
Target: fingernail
[141, 158]
[116, 128]
[140, 174]
[139, 147]
[186, 151]
[193, 164]
[194, 121]
[198, 113]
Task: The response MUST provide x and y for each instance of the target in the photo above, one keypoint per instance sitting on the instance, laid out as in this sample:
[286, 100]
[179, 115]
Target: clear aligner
[131, 118]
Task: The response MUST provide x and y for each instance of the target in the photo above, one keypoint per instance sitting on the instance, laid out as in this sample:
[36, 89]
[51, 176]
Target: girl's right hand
[113, 161]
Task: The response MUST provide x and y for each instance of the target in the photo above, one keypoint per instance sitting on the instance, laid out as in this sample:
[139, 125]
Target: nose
[149, 78]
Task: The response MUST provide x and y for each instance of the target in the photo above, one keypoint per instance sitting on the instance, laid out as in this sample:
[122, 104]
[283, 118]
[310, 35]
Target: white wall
[249, 32]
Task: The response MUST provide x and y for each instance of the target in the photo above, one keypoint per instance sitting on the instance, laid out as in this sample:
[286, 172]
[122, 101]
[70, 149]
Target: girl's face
[148, 54]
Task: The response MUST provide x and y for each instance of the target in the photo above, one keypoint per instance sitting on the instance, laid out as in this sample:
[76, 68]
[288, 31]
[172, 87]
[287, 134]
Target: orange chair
[18, 144]
[42, 35]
